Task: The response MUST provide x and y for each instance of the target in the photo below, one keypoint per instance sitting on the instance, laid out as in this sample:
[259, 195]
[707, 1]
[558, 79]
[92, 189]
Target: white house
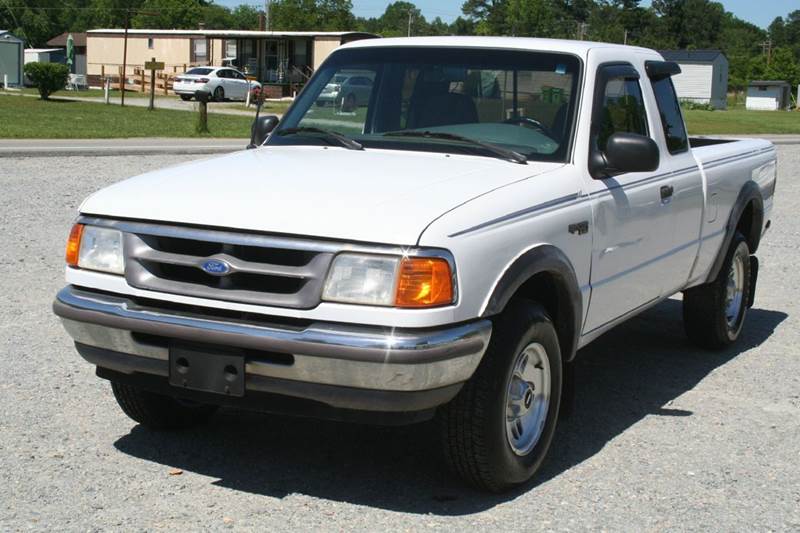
[768, 95]
[11, 59]
[703, 78]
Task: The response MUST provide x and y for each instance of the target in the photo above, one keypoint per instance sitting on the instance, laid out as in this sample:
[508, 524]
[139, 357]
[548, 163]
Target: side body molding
[545, 259]
[750, 193]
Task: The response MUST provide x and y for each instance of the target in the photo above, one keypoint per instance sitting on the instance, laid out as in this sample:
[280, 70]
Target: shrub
[47, 77]
[696, 106]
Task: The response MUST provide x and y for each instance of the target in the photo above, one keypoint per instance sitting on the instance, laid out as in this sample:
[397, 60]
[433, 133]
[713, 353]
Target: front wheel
[186, 97]
[714, 313]
[497, 431]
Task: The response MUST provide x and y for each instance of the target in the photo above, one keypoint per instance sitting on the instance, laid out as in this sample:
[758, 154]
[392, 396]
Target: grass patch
[28, 118]
[91, 93]
[742, 122]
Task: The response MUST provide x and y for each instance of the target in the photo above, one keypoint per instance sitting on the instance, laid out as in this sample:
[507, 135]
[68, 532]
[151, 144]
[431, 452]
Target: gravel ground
[665, 437]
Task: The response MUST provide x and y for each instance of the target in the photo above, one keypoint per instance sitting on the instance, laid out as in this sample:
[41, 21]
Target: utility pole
[766, 49]
[625, 39]
[582, 27]
[267, 5]
[124, 57]
[410, 20]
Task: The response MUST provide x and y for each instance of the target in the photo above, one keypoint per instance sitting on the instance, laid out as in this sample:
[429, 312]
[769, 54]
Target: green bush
[47, 77]
[696, 106]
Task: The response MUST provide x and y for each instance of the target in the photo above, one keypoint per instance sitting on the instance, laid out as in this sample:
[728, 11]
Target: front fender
[544, 259]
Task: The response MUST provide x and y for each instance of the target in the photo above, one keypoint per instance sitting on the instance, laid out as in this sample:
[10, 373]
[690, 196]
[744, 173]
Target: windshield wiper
[346, 142]
[502, 153]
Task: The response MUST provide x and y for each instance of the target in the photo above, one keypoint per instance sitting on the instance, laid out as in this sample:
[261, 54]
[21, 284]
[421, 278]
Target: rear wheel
[497, 431]
[714, 313]
[219, 94]
[186, 97]
[157, 411]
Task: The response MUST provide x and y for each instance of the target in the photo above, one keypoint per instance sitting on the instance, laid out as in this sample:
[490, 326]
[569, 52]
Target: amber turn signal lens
[74, 244]
[424, 282]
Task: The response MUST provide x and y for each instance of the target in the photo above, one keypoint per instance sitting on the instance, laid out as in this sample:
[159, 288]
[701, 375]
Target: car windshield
[200, 71]
[514, 100]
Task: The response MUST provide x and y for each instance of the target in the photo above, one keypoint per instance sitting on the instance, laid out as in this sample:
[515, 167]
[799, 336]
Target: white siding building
[703, 78]
[11, 59]
[768, 95]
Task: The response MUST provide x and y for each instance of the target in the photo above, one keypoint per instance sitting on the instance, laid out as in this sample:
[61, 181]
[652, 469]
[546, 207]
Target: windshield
[200, 71]
[515, 100]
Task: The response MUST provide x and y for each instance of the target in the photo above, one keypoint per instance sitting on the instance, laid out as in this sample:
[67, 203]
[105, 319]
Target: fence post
[202, 119]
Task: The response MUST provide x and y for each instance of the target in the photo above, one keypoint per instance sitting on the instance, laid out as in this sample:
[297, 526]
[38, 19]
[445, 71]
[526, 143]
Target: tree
[692, 23]
[536, 18]
[47, 77]
[299, 15]
[169, 14]
[489, 16]
[244, 17]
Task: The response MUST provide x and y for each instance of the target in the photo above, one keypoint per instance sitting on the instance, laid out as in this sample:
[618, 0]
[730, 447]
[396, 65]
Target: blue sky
[759, 12]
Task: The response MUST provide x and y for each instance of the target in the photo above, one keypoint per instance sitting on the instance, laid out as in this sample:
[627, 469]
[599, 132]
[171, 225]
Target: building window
[199, 51]
[149, 43]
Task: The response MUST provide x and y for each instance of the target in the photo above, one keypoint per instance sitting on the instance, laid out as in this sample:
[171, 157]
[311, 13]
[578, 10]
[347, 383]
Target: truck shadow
[630, 373]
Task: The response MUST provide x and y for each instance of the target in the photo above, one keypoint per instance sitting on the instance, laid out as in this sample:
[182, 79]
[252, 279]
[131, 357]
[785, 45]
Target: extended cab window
[671, 119]
[622, 109]
[460, 100]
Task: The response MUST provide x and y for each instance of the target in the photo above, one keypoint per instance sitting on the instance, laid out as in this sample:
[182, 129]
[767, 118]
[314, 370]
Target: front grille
[280, 272]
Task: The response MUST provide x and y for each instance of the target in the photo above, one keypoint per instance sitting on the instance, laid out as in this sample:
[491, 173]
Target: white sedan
[222, 83]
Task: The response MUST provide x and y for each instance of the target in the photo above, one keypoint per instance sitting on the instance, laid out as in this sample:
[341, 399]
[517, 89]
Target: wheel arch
[544, 274]
[746, 217]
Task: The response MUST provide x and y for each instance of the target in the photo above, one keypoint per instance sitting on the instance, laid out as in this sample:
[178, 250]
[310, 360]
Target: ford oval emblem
[215, 267]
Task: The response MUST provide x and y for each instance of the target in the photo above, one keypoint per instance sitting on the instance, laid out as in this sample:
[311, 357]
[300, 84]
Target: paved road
[665, 437]
[117, 147]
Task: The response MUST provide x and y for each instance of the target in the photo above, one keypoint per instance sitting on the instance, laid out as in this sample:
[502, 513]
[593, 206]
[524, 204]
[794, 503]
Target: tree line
[753, 52]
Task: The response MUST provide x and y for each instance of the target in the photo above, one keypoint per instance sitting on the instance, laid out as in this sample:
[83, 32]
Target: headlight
[95, 248]
[389, 281]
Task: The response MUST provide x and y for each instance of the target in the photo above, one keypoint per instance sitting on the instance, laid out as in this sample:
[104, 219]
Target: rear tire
[485, 429]
[219, 94]
[186, 97]
[714, 313]
[157, 411]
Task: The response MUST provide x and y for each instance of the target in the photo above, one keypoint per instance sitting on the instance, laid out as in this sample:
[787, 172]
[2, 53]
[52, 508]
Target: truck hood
[379, 196]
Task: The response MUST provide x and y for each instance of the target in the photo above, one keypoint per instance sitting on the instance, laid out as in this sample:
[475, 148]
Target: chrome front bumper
[118, 334]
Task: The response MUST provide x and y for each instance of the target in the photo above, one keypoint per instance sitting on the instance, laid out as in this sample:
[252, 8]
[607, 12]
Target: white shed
[44, 55]
[768, 95]
[11, 59]
[703, 78]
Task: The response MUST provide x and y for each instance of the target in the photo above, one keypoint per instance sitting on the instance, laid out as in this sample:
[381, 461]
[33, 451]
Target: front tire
[157, 411]
[497, 431]
[714, 313]
[186, 97]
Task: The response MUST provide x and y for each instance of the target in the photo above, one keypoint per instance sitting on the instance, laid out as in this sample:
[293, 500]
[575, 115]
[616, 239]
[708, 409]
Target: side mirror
[625, 152]
[260, 130]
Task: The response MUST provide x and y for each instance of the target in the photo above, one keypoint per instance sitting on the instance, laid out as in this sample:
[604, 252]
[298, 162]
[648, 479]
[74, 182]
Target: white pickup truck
[439, 248]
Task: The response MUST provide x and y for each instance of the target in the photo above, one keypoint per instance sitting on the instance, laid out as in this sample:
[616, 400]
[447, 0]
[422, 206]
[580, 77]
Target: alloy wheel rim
[734, 291]
[528, 399]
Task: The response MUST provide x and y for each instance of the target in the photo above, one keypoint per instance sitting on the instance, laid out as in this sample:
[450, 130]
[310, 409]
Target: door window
[670, 112]
[621, 109]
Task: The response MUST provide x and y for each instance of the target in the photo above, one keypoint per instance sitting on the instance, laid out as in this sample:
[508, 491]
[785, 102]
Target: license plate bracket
[206, 369]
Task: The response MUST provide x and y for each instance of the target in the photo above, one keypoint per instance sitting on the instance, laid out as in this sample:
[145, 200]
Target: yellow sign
[154, 65]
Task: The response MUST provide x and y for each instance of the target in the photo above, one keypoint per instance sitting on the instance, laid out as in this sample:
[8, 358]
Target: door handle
[666, 192]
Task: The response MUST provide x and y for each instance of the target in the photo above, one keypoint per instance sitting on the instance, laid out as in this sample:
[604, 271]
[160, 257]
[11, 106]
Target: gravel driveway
[665, 437]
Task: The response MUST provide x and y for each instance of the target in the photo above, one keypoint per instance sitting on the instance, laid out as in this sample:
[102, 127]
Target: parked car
[222, 83]
[346, 91]
[502, 203]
